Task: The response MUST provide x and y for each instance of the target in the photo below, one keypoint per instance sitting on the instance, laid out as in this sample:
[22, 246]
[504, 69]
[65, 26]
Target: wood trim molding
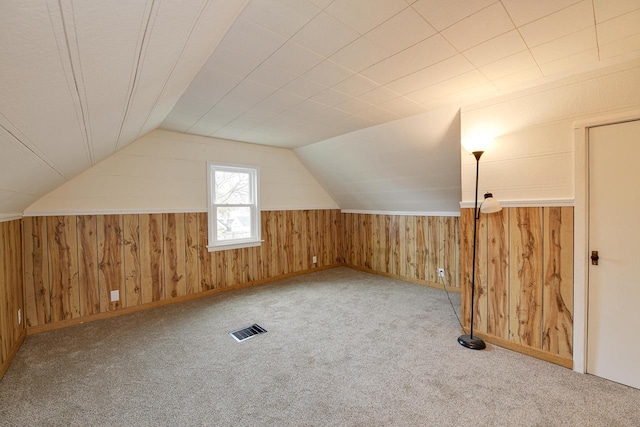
[109, 314]
[529, 351]
[401, 213]
[146, 211]
[10, 217]
[14, 350]
[406, 279]
[526, 203]
[111, 212]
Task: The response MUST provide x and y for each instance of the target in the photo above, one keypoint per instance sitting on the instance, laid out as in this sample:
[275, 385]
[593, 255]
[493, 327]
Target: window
[234, 214]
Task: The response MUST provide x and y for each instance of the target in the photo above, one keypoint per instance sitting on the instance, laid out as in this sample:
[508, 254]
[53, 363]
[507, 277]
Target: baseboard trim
[529, 351]
[14, 350]
[128, 310]
[405, 279]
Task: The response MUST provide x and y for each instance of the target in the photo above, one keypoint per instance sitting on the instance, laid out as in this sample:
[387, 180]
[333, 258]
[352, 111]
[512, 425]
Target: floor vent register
[248, 332]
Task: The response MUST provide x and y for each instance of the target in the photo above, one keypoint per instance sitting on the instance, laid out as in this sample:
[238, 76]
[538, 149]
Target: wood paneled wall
[72, 263]
[524, 279]
[11, 292]
[408, 247]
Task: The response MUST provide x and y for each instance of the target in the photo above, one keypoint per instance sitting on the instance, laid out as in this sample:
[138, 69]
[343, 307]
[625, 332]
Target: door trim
[581, 228]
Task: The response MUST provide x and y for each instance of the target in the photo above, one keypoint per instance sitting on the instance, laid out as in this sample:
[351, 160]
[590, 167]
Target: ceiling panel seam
[78, 89]
[144, 44]
[595, 27]
[18, 192]
[205, 4]
[255, 68]
[32, 151]
[522, 38]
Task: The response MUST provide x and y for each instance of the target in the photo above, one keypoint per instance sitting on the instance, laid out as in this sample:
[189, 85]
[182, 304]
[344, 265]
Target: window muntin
[234, 220]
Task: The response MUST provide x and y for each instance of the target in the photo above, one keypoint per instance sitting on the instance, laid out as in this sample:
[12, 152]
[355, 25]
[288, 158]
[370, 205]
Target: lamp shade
[475, 143]
[490, 205]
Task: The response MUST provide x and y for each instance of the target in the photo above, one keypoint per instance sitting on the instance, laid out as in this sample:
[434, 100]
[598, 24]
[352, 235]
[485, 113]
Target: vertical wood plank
[322, 235]
[11, 285]
[375, 243]
[280, 243]
[6, 331]
[308, 239]
[38, 291]
[466, 263]
[132, 270]
[234, 267]
[558, 281]
[268, 245]
[15, 273]
[397, 240]
[63, 267]
[498, 274]
[151, 259]
[337, 236]
[410, 245]
[449, 244]
[482, 301]
[432, 250]
[246, 261]
[206, 268]
[457, 261]
[88, 264]
[220, 265]
[421, 247]
[388, 250]
[110, 261]
[191, 254]
[294, 227]
[174, 254]
[525, 276]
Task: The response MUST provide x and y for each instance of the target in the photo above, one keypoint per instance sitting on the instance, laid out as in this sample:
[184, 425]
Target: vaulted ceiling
[79, 80]
[292, 72]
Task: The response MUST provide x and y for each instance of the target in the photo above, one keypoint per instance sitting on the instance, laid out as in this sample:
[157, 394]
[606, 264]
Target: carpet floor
[343, 348]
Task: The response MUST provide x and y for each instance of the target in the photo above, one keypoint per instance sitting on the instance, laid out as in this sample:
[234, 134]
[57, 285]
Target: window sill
[250, 244]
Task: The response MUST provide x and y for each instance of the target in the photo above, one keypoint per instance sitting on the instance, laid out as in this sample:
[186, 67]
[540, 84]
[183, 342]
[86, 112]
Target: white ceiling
[294, 72]
[81, 79]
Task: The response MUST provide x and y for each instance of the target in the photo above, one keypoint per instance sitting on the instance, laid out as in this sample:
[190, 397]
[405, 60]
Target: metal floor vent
[248, 332]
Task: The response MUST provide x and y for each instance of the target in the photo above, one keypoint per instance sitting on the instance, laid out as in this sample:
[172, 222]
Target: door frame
[581, 228]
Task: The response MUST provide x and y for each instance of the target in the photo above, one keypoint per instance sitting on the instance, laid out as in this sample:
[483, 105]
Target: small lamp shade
[490, 205]
[480, 142]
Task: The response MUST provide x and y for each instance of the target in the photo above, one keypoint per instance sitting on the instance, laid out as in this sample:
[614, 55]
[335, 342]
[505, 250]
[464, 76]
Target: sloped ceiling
[81, 79]
[291, 72]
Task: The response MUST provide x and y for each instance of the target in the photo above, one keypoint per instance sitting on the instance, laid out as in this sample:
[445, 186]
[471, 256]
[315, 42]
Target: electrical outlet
[441, 272]
[19, 316]
[115, 296]
[315, 259]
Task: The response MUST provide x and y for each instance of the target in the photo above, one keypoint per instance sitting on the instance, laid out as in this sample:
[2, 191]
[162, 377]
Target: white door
[613, 347]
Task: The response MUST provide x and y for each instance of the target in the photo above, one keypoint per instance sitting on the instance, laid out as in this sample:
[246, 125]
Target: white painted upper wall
[408, 165]
[532, 157]
[166, 172]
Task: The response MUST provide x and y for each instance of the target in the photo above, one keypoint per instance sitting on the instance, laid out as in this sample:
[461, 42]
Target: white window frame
[254, 207]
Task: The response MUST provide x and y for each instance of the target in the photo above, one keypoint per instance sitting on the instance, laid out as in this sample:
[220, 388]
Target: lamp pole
[468, 340]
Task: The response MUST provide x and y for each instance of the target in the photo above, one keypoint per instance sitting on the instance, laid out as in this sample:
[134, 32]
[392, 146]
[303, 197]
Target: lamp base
[474, 343]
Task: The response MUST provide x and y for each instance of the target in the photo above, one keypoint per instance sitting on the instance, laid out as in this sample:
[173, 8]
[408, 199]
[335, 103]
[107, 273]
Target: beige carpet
[343, 348]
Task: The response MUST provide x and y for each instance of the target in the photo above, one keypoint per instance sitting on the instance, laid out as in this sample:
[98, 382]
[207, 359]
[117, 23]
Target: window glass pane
[232, 188]
[233, 223]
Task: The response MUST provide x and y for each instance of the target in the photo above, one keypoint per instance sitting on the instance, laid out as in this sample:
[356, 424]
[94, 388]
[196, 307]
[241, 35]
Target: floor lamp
[489, 205]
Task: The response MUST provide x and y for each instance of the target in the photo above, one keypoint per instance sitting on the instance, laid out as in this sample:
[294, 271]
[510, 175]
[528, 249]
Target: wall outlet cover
[19, 316]
[115, 296]
[315, 259]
